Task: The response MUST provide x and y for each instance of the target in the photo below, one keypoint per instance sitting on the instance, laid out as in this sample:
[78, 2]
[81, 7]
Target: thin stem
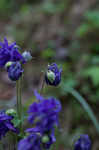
[1, 146]
[17, 93]
[19, 100]
[15, 143]
[42, 84]
[20, 97]
[86, 107]
[9, 146]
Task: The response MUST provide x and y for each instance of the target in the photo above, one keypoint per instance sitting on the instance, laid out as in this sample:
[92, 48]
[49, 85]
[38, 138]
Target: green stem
[86, 107]
[9, 146]
[19, 100]
[20, 97]
[42, 87]
[17, 95]
[1, 146]
[42, 84]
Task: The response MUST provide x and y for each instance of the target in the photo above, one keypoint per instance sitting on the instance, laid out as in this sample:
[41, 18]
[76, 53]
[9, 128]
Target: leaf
[86, 106]
[67, 84]
[93, 18]
[82, 30]
[16, 122]
[48, 53]
[93, 73]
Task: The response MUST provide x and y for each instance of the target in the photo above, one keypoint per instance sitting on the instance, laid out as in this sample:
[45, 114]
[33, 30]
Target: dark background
[61, 31]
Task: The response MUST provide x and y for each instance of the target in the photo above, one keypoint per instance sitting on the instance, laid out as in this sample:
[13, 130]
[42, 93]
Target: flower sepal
[8, 64]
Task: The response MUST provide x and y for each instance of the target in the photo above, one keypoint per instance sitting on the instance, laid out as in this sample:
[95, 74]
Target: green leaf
[16, 122]
[86, 106]
[48, 53]
[93, 73]
[66, 84]
[82, 30]
[93, 18]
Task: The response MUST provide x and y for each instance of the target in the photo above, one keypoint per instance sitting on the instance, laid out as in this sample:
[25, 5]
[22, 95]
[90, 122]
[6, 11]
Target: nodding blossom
[43, 114]
[6, 124]
[9, 52]
[83, 143]
[15, 71]
[53, 75]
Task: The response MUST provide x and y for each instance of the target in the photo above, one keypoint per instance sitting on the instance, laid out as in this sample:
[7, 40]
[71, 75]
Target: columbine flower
[6, 124]
[36, 141]
[45, 112]
[31, 142]
[14, 71]
[48, 140]
[27, 56]
[53, 75]
[83, 143]
[9, 52]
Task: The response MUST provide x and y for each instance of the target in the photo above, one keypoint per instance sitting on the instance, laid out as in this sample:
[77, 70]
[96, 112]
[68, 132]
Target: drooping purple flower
[6, 124]
[36, 141]
[48, 139]
[31, 142]
[9, 52]
[15, 71]
[44, 113]
[53, 75]
[83, 143]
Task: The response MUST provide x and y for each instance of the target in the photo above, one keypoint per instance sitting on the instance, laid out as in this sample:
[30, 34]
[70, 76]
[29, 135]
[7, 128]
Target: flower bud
[83, 143]
[53, 75]
[8, 64]
[27, 56]
[15, 71]
[11, 112]
[45, 139]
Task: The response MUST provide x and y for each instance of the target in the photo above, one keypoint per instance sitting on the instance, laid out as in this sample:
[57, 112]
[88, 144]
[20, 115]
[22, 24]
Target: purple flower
[15, 71]
[36, 140]
[31, 142]
[44, 113]
[47, 140]
[9, 52]
[53, 75]
[83, 143]
[6, 124]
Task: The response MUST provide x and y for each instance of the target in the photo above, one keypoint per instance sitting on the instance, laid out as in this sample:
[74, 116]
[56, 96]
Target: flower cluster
[44, 115]
[12, 59]
[53, 75]
[83, 143]
[6, 124]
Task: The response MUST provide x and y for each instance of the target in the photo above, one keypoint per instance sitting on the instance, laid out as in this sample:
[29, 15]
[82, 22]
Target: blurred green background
[61, 31]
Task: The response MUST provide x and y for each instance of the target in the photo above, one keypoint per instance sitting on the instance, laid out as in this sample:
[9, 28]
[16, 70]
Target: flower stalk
[42, 86]
[19, 99]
